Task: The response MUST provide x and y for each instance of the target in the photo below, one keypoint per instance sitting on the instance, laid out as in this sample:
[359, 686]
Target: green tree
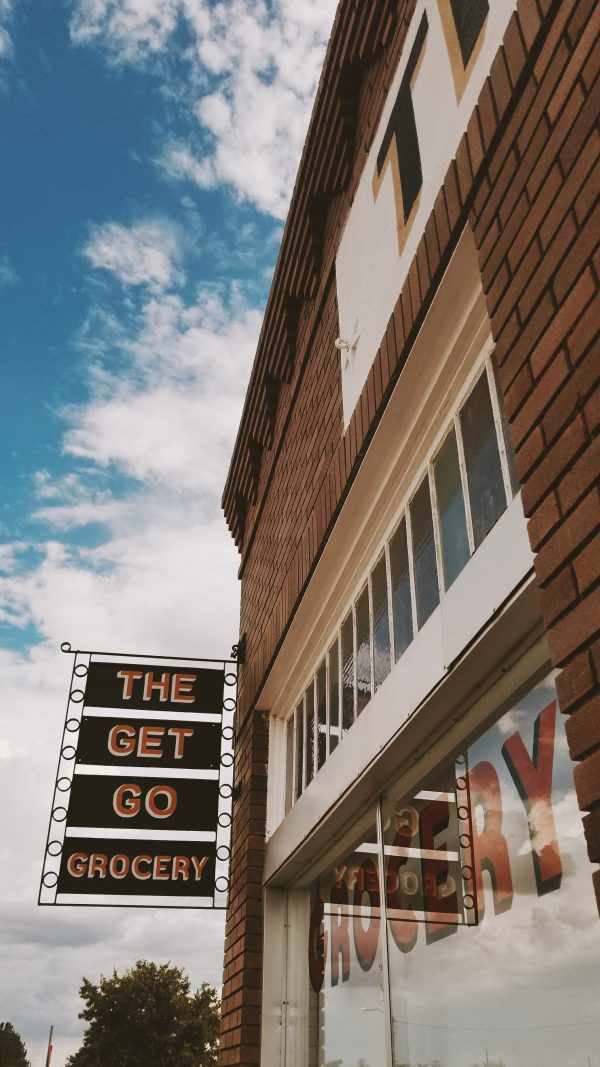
[12, 1050]
[148, 1018]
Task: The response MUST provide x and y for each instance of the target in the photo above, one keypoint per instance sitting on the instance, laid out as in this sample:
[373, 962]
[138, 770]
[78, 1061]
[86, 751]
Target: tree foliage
[12, 1050]
[148, 1017]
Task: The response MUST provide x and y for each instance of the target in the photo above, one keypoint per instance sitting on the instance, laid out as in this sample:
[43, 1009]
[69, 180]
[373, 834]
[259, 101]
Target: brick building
[414, 493]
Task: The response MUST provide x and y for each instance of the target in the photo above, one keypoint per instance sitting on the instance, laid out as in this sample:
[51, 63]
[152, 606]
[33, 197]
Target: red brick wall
[522, 179]
[242, 974]
[537, 227]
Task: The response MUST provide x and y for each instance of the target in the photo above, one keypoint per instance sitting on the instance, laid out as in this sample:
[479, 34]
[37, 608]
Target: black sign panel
[137, 868]
[178, 688]
[146, 743]
[139, 803]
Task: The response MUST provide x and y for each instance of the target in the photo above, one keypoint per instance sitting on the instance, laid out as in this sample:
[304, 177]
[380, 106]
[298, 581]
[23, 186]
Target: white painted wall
[370, 270]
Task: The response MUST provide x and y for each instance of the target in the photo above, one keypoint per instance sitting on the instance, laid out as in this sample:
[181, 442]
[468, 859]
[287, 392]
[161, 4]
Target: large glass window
[345, 959]
[489, 918]
[469, 478]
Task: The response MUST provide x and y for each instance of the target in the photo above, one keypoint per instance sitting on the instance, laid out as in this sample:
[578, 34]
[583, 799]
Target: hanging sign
[141, 811]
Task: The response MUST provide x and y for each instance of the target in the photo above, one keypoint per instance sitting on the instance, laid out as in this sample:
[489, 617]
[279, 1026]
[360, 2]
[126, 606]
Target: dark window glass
[321, 716]
[426, 581]
[469, 17]
[299, 748]
[309, 701]
[363, 652]
[382, 659]
[289, 761]
[401, 602]
[451, 508]
[334, 696]
[484, 472]
[347, 673]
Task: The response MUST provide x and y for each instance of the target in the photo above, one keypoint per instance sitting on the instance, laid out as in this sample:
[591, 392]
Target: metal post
[49, 1056]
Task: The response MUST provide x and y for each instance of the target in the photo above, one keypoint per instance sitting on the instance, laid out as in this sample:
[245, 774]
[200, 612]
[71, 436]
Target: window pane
[309, 701]
[484, 473]
[401, 603]
[334, 696]
[535, 997]
[347, 673]
[451, 507]
[426, 581]
[299, 748]
[321, 716]
[289, 761]
[381, 623]
[345, 953]
[363, 651]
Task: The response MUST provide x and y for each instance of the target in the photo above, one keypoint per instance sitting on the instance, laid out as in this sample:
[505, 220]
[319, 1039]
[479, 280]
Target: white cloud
[252, 69]
[171, 420]
[130, 29]
[6, 13]
[166, 387]
[8, 275]
[146, 253]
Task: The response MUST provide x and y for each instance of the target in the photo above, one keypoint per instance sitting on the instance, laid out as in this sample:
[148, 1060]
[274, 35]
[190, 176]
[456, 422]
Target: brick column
[537, 229]
[242, 975]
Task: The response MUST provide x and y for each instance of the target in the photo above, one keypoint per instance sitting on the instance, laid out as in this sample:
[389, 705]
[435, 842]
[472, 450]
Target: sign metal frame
[61, 828]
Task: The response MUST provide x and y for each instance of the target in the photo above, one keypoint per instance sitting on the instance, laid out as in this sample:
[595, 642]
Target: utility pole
[49, 1056]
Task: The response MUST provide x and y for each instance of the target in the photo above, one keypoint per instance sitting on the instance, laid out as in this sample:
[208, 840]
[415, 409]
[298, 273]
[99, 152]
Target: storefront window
[492, 932]
[346, 962]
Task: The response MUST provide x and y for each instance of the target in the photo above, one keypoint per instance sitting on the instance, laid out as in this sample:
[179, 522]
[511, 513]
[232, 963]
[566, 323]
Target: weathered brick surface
[525, 179]
[536, 227]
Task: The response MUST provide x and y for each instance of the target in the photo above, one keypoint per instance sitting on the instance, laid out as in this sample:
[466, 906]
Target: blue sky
[149, 148]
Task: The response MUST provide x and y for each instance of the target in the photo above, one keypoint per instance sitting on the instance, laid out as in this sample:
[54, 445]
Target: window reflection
[363, 652]
[347, 673]
[401, 600]
[451, 508]
[321, 716]
[334, 696]
[492, 928]
[382, 660]
[482, 457]
[423, 540]
[309, 705]
[345, 960]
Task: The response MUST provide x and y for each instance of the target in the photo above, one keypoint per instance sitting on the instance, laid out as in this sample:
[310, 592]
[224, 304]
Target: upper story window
[465, 488]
